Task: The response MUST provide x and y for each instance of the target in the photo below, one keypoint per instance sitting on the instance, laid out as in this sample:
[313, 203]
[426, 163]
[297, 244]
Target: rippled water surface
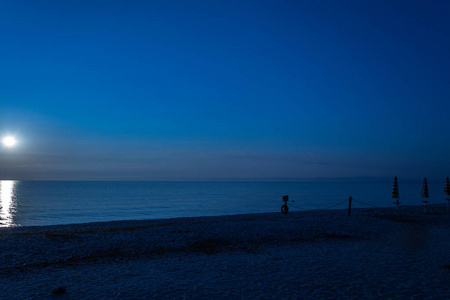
[26, 203]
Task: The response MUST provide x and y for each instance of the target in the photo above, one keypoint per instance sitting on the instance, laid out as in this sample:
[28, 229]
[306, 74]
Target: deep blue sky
[194, 90]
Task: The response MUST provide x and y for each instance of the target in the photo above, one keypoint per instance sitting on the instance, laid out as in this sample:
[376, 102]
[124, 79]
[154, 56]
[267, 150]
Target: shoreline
[404, 210]
[315, 254]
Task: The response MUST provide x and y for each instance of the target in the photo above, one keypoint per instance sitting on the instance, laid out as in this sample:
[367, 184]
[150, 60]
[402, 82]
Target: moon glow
[9, 141]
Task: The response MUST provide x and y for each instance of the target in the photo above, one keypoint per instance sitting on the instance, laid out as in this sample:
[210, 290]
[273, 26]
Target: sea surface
[35, 203]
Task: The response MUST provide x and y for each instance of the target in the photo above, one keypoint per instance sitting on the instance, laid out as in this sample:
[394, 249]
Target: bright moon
[9, 141]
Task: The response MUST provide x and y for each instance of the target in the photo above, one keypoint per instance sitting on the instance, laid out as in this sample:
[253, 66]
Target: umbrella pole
[396, 205]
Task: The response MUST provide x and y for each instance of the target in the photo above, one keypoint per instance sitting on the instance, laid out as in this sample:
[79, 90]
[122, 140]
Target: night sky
[224, 90]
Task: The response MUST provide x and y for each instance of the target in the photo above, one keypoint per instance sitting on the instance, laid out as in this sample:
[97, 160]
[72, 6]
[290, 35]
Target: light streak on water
[7, 202]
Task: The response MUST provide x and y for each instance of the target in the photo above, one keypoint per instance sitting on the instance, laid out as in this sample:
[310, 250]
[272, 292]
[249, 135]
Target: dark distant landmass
[355, 179]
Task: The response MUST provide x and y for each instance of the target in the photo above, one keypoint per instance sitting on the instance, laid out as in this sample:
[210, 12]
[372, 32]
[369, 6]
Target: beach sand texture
[374, 253]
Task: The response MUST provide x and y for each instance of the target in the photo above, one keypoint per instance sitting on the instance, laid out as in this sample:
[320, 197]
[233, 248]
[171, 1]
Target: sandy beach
[374, 253]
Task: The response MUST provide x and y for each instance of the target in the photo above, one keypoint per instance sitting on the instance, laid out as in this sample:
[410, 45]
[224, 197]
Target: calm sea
[29, 203]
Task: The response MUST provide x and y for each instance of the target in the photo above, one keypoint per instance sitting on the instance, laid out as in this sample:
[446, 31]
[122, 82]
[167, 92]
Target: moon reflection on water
[7, 202]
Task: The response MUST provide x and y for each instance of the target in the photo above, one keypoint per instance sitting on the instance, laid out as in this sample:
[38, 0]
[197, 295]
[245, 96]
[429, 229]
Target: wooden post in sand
[349, 205]
[425, 195]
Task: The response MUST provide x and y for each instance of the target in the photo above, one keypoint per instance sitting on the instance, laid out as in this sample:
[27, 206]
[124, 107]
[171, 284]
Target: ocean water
[31, 203]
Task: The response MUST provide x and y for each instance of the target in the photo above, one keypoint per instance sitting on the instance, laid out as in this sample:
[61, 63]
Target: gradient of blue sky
[167, 90]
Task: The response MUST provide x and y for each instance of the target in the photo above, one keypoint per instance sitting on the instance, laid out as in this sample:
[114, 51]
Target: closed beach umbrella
[447, 192]
[447, 188]
[425, 188]
[425, 194]
[395, 193]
